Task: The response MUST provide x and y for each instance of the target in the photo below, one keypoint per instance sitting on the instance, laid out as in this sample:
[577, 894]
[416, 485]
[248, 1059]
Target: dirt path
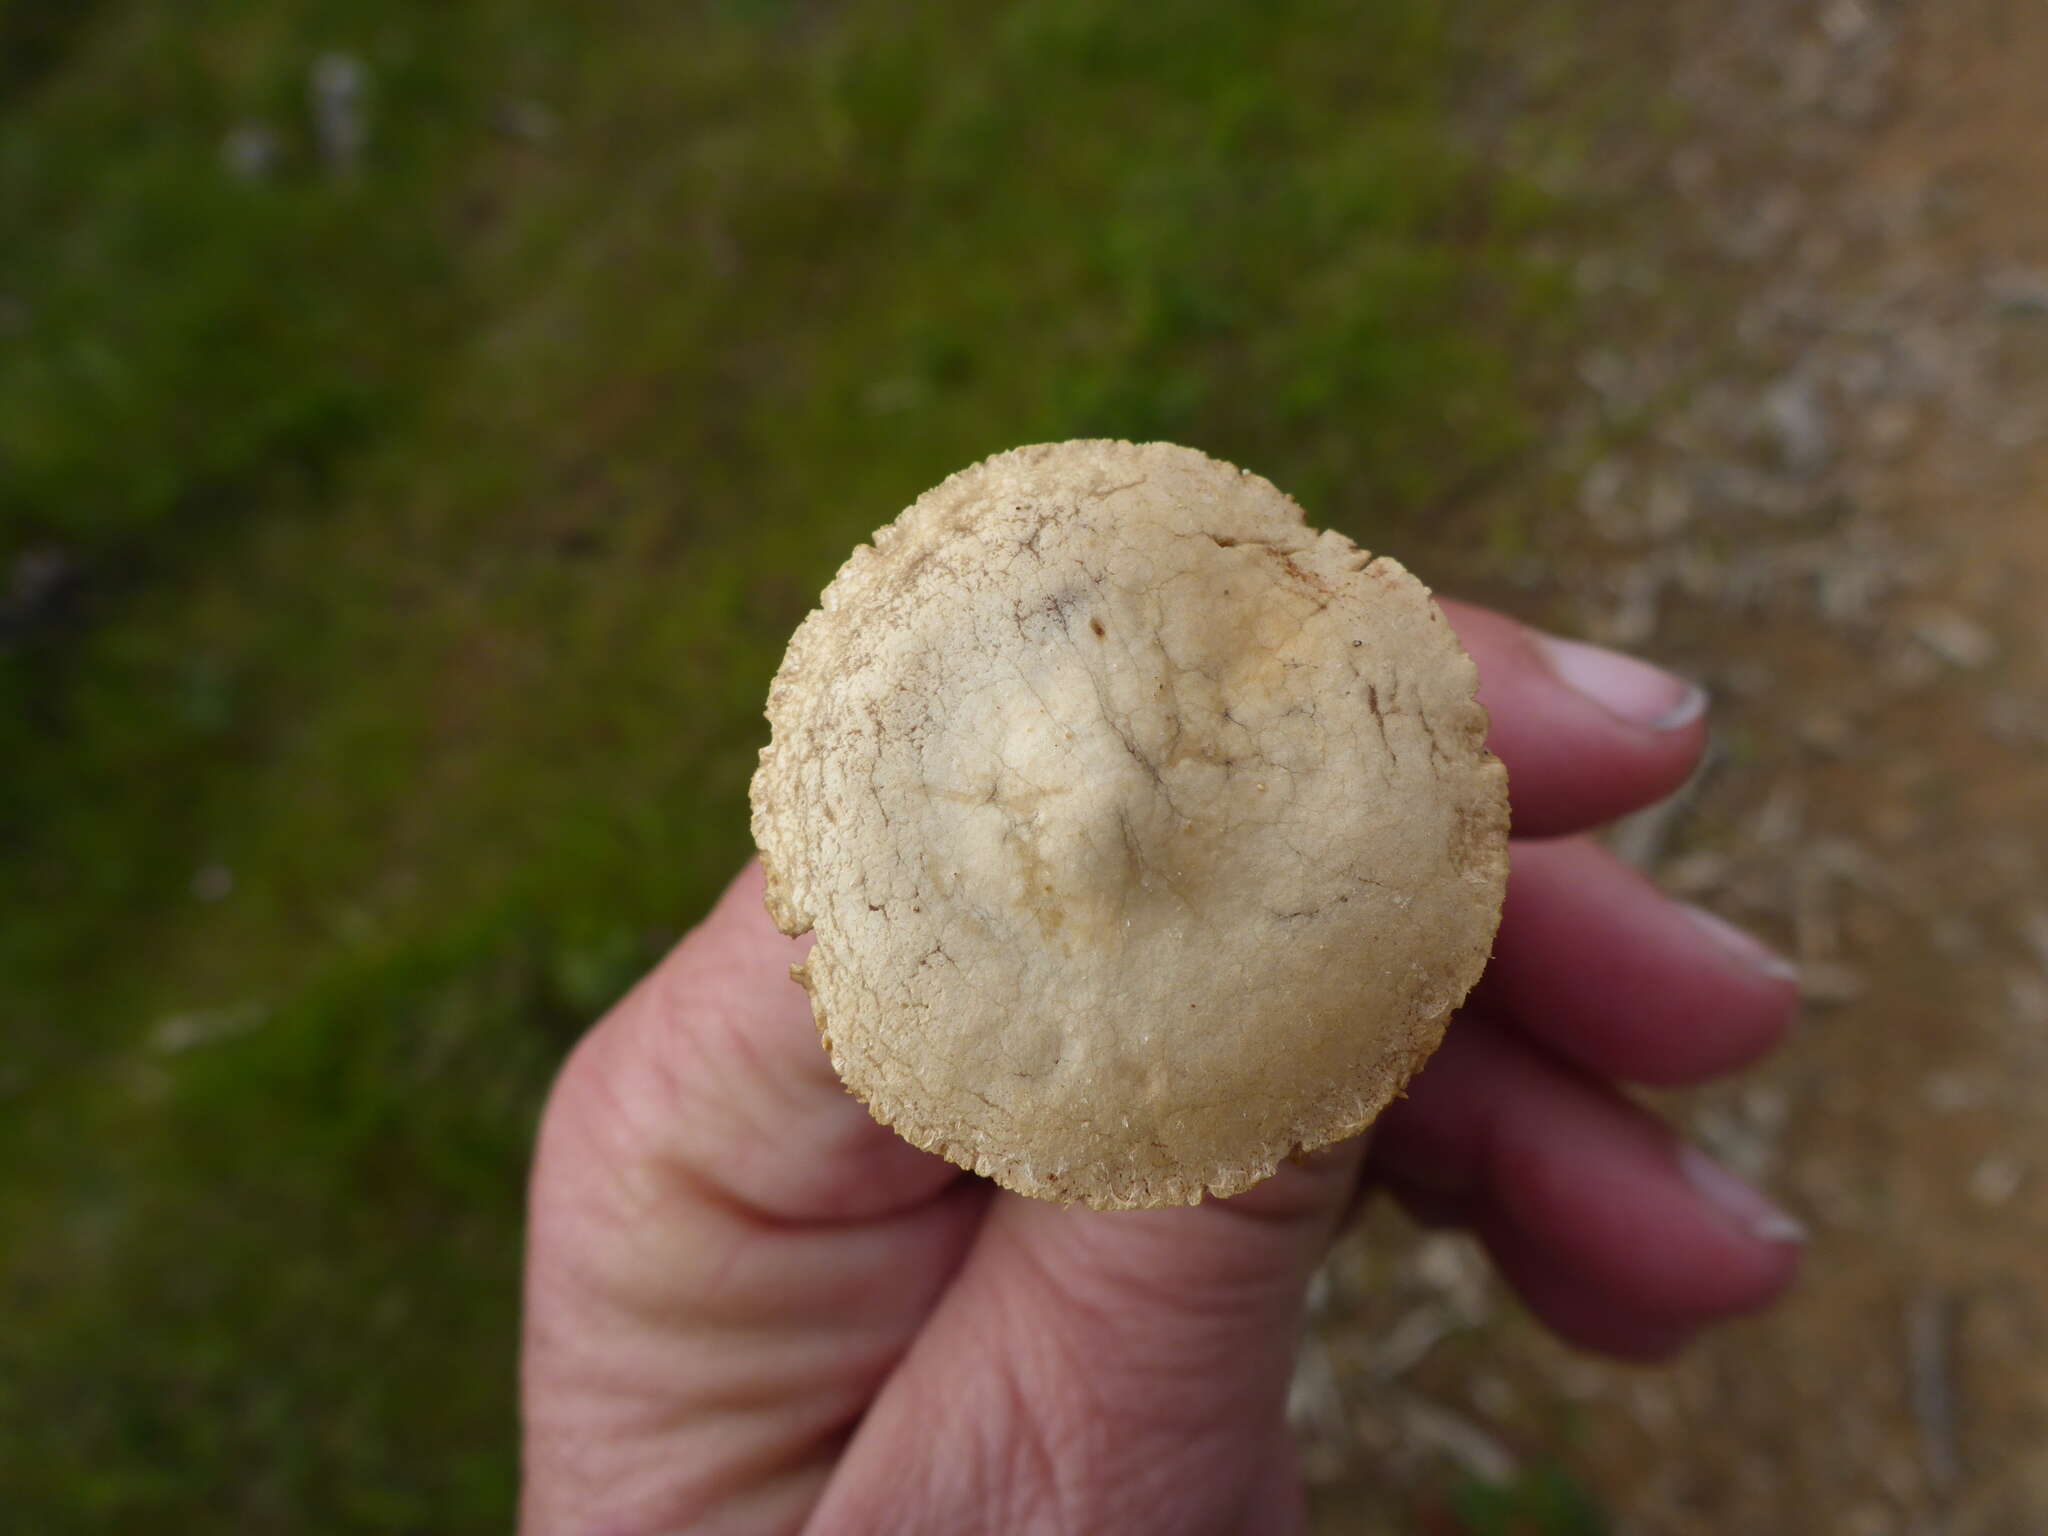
[1838, 515]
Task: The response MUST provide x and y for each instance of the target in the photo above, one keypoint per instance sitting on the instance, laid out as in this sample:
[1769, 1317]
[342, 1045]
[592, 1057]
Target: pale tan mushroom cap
[1148, 834]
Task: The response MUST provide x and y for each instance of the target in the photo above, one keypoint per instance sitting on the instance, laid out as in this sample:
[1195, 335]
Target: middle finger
[1597, 965]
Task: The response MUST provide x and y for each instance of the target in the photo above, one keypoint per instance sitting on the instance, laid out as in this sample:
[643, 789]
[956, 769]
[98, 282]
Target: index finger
[1587, 734]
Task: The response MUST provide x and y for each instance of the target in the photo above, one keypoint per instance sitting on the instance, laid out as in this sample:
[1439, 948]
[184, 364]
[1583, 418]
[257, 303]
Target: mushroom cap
[1149, 835]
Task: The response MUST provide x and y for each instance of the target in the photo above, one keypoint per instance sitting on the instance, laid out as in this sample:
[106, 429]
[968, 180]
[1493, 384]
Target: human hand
[750, 1308]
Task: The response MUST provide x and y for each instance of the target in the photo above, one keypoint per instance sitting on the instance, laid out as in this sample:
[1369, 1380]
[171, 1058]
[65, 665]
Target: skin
[751, 1309]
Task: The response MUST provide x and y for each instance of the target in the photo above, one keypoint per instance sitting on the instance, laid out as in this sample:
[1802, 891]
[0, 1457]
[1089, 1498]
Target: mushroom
[1149, 835]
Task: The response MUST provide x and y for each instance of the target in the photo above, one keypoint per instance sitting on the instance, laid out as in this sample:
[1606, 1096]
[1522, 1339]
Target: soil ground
[1840, 520]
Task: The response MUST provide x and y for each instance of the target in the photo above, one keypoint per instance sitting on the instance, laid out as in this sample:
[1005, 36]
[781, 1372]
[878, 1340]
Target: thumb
[1095, 1370]
[1220, 1277]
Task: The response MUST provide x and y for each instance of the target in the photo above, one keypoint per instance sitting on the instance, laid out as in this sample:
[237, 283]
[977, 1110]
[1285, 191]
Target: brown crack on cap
[1148, 834]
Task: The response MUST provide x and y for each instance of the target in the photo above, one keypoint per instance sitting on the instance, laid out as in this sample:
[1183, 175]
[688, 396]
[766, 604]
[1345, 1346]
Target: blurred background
[421, 427]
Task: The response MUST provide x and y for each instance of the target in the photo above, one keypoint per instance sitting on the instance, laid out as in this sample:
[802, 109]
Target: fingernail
[1745, 947]
[1742, 1203]
[1630, 690]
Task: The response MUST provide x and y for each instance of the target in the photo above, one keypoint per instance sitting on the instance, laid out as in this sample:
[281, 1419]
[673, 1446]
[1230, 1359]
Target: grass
[1540, 1500]
[399, 556]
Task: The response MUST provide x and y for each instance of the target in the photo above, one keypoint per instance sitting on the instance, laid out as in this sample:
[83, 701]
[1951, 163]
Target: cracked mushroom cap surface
[1148, 834]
